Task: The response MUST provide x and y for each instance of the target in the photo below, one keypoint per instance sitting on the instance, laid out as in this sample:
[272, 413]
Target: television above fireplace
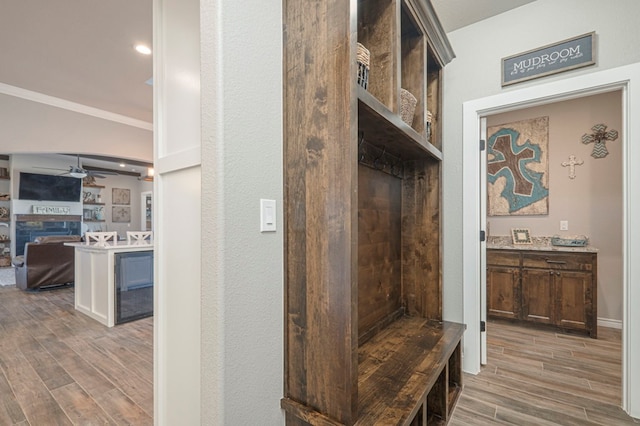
[39, 187]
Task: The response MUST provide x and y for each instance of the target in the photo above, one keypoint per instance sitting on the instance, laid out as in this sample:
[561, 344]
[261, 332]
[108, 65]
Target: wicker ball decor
[407, 106]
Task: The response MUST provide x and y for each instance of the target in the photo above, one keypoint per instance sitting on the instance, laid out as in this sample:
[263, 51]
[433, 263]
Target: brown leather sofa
[46, 262]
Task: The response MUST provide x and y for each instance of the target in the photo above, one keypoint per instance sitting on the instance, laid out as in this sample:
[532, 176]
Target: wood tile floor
[59, 367]
[542, 378]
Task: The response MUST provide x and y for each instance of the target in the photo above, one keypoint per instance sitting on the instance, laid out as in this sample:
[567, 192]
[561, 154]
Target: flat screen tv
[39, 187]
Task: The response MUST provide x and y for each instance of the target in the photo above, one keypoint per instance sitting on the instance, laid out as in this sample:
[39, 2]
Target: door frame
[621, 78]
[143, 210]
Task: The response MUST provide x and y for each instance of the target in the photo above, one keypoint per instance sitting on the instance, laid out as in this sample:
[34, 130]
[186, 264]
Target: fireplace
[31, 226]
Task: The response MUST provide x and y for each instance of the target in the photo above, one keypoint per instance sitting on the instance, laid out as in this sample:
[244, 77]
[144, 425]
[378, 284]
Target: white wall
[219, 325]
[592, 201]
[242, 299]
[475, 73]
[28, 126]
[472, 81]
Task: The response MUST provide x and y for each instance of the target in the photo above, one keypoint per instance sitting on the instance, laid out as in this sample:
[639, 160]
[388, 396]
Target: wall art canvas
[120, 214]
[518, 168]
[120, 196]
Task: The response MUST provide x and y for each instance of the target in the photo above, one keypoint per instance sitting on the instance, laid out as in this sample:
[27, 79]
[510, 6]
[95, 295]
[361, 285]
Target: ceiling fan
[78, 172]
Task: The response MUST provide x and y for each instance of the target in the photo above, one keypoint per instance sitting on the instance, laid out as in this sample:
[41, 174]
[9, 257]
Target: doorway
[584, 197]
[571, 88]
[146, 211]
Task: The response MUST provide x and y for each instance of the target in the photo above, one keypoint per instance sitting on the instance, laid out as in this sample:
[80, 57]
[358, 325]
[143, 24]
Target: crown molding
[29, 95]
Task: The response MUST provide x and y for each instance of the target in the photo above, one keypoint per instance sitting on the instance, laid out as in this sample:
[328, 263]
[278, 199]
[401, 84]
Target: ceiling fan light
[79, 175]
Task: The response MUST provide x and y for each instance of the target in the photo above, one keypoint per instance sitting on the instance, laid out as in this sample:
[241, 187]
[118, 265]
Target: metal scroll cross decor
[572, 163]
[598, 137]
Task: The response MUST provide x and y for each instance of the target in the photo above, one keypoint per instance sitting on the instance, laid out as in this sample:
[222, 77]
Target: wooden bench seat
[408, 371]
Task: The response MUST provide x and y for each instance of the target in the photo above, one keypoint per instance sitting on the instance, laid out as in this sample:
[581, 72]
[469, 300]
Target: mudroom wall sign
[554, 58]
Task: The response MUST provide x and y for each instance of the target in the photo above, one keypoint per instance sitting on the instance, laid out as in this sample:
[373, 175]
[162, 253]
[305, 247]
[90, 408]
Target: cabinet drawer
[503, 258]
[572, 261]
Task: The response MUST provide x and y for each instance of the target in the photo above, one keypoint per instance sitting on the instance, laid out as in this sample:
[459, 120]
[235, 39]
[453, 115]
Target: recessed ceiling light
[122, 165]
[141, 48]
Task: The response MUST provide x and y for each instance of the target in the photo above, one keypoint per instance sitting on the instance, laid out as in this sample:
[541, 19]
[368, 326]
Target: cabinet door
[537, 296]
[503, 295]
[574, 300]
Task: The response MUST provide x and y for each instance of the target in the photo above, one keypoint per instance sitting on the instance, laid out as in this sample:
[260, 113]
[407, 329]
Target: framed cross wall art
[120, 196]
[518, 168]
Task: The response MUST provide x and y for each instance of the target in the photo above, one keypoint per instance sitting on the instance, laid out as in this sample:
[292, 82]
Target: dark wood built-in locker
[364, 340]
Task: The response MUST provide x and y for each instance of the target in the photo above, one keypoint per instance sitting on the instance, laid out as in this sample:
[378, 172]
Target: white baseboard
[610, 323]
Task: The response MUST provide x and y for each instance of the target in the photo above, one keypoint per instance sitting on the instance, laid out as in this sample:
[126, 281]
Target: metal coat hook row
[376, 161]
[378, 158]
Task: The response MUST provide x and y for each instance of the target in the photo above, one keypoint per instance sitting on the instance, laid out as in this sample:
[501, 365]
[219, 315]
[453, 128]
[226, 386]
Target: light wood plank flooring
[59, 367]
[541, 377]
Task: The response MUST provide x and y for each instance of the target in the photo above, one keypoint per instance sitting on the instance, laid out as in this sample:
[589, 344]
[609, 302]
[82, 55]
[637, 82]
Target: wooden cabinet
[364, 338]
[555, 288]
[504, 292]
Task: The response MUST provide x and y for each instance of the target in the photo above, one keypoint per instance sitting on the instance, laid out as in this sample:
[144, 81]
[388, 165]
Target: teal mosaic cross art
[509, 159]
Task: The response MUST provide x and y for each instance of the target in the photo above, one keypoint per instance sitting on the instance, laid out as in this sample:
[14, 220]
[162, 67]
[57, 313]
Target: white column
[177, 208]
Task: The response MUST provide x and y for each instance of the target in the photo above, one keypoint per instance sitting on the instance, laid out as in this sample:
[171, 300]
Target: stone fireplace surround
[31, 226]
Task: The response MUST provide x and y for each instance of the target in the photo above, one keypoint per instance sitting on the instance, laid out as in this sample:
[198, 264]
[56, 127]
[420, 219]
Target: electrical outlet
[564, 225]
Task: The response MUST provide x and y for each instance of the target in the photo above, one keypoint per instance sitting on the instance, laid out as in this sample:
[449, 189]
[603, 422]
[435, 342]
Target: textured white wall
[242, 276]
[592, 202]
[475, 73]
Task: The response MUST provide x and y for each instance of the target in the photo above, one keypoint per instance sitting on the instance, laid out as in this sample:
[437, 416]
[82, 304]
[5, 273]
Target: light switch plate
[267, 215]
[564, 225]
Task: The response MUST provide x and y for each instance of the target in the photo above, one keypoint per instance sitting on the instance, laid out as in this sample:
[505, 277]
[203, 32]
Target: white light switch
[564, 225]
[267, 215]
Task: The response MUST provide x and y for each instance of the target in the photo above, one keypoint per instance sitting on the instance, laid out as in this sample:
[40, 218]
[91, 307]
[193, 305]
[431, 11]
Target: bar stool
[139, 237]
[101, 238]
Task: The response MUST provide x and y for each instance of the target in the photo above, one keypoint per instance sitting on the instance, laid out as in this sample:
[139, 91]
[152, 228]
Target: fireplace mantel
[28, 227]
[48, 218]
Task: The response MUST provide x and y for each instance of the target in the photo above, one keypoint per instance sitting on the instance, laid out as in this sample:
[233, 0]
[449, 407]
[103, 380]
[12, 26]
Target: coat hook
[376, 162]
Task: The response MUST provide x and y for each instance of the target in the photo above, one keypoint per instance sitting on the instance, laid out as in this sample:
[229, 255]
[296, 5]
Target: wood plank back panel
[412, 66]
[434, 95]
[379, 262]
[378, 31]
[320, 207]
[421, 244]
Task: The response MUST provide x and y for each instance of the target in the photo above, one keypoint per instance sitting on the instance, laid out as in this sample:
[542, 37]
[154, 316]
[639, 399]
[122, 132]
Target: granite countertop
[538, 243]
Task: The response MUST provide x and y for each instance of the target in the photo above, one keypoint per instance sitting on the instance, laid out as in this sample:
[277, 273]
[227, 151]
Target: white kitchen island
[112, 278]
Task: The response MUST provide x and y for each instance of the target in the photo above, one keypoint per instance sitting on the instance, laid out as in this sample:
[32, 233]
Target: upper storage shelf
[406, 55]
[385, 129]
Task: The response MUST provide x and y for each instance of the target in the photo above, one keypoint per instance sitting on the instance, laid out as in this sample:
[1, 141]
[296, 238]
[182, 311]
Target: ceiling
[455, 14]
[83, 51]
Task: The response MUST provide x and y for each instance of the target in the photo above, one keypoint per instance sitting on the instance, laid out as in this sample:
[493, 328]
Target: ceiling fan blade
[50, 168]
